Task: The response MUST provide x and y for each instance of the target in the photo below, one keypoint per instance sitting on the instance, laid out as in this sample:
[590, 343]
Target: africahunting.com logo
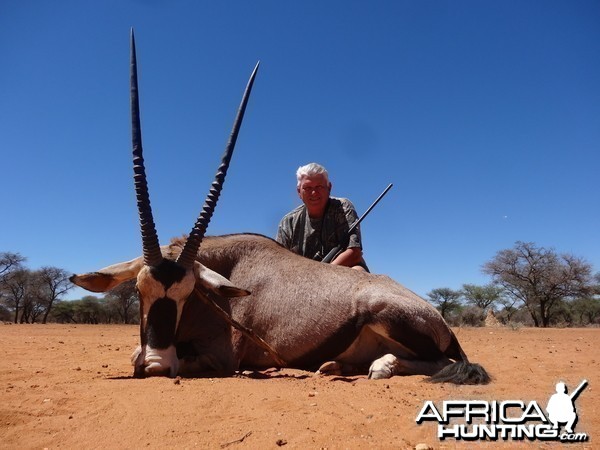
[517, 420]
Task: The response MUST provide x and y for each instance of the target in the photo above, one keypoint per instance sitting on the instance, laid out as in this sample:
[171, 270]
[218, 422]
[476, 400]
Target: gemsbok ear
[217, 283]
[109, 277]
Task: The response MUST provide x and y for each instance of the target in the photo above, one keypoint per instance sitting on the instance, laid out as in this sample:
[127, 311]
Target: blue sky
[484, 115]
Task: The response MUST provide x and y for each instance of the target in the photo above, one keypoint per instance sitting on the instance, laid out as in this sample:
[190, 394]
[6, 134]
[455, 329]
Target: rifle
[578, 390]
[336, 250]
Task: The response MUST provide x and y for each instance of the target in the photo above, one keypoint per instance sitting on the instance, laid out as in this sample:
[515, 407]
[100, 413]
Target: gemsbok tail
[461, 371]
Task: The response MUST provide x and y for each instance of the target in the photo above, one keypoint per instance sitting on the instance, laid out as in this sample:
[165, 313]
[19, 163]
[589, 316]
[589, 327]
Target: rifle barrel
[333, 252]
[355, 224]
[578, 389]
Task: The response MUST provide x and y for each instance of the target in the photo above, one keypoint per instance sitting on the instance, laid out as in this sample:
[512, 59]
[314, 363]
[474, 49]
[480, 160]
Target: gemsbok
[225, 303]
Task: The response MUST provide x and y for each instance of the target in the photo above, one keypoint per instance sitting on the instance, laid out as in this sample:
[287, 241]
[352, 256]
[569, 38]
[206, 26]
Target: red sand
[70, 386]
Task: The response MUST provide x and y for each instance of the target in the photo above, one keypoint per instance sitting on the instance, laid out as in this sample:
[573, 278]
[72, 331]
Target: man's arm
[351, 255]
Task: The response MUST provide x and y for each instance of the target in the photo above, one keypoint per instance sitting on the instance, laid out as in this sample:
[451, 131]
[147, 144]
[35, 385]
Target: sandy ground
[70, 386]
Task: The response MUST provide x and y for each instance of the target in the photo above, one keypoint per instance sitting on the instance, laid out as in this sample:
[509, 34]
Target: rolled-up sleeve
[350, 217]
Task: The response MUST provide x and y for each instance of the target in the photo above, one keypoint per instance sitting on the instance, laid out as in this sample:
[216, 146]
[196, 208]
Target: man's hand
[350, 257]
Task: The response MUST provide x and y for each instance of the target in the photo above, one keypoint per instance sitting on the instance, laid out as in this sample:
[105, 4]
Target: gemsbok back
[224, 303]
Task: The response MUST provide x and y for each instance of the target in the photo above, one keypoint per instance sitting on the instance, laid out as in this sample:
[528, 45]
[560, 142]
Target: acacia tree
[539, 278]
[33, 305]
[89, 310]
[11, 288]
[15, 287]
[64, 311]
[446, 300]
[123, 299]
[481, 296]
[10, 262]
[509, 308]
[28, 294]
[586, 310]
[52, 283]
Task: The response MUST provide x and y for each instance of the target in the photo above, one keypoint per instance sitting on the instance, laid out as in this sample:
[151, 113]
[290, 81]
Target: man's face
[314, 191]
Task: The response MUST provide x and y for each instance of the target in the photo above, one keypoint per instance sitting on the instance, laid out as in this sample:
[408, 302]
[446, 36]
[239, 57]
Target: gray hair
[311, 169]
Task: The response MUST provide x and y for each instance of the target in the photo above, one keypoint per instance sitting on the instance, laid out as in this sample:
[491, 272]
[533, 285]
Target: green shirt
[314, 238]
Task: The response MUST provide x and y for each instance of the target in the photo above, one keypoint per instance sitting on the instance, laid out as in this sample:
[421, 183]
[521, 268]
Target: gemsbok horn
[165, 281]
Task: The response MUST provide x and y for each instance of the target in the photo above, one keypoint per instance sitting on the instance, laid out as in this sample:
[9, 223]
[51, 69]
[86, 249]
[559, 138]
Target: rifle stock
[334, 252]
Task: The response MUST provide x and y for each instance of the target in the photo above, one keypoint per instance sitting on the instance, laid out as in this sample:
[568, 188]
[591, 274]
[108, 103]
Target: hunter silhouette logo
[517, 420]
[561, 406]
